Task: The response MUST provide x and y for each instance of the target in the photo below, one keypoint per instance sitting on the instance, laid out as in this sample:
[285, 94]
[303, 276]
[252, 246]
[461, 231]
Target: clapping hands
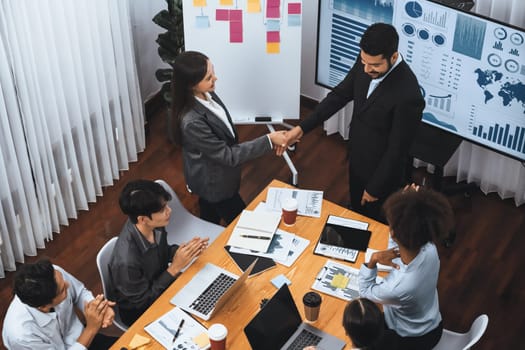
[186, 253]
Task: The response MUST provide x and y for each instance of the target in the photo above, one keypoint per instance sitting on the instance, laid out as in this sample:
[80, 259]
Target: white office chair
[463, 341]
[184, 225]
[103, 258]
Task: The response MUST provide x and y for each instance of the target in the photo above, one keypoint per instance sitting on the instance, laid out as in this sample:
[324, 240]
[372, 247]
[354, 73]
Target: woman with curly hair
[417, 218]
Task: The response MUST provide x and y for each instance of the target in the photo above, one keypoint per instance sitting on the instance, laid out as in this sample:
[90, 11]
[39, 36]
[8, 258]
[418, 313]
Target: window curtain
[71, 115]
[492, 171]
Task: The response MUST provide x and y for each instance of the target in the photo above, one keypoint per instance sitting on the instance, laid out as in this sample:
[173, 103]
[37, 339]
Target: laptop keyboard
[205, 302]
[304, 339]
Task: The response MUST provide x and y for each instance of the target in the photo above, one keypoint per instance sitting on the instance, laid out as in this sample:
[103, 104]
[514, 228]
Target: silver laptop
[209, 290]
[278, 325]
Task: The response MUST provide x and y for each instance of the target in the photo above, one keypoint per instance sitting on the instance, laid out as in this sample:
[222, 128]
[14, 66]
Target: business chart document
[309, 202]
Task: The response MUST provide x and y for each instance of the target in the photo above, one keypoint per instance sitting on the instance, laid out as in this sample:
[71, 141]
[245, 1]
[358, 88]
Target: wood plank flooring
[483, 271]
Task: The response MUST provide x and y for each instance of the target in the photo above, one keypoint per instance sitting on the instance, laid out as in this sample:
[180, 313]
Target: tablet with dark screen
[339, 240]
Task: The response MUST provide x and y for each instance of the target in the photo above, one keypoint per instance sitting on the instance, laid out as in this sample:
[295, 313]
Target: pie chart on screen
[414, 9]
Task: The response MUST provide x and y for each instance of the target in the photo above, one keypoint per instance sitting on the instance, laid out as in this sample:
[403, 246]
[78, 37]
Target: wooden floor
[483, 272]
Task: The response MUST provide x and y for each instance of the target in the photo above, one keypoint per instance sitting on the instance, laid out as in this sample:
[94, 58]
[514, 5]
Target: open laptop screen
[275, 323]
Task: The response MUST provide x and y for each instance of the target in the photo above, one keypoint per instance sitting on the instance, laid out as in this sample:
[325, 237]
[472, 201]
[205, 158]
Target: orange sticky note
[254, 7]
[273, 48]
[226, 2]
[199, 3]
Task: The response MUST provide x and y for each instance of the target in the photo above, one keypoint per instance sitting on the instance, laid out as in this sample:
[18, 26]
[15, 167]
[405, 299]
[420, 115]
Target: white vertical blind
[71, 114]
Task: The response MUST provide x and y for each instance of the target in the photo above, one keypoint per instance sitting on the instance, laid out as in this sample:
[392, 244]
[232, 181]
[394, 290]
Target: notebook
[209, 290]
[278, 325]
[254, 230]
[243, 261]
[343, 238]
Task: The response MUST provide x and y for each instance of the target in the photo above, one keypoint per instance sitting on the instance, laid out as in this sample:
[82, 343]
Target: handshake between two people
[282, 139]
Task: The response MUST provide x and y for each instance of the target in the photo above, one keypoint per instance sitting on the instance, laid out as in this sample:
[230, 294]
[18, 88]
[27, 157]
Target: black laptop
[278, 325]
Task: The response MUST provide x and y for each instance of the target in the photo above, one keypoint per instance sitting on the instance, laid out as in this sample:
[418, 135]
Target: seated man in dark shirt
[143, 265]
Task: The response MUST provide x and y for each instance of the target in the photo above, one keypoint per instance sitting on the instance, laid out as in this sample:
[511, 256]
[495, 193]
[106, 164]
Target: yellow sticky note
[138, 341]
[226, 2]
[273, 48]
[199, 3]
[202, 340]
[253, 7]
[340, 281]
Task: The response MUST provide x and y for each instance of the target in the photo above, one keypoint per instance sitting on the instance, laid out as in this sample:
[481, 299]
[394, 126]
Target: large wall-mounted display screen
[471, 69]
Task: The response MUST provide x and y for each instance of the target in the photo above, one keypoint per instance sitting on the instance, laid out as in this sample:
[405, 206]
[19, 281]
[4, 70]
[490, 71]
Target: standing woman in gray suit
[211, 150]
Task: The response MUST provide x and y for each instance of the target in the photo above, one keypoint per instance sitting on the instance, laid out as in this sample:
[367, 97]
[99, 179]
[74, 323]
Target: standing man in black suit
[387, 111]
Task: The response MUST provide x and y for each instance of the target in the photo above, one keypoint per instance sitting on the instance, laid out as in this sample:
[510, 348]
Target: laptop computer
[278, 325]
[209, 290]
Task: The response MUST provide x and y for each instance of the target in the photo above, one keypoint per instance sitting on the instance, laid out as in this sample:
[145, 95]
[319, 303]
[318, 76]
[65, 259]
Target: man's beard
[382, 74]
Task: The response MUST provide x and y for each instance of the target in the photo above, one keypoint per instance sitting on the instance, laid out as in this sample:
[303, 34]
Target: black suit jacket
[382, 127]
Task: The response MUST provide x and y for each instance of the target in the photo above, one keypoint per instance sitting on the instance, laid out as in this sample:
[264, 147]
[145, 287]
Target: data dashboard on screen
[471, 69]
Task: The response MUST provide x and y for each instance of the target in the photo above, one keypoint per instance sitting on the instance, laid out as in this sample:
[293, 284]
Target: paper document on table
[338, 280]
[277, 250]
[189, 336]
[254, 230]
[309, 202]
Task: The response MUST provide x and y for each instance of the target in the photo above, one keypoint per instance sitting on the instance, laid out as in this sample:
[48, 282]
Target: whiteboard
[251, 81]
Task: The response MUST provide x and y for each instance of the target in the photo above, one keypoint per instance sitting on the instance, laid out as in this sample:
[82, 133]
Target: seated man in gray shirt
[143, 265]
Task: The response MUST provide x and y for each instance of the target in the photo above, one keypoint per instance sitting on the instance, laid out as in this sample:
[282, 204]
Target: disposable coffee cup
[312, 304]
[289, 211]
[217, 334]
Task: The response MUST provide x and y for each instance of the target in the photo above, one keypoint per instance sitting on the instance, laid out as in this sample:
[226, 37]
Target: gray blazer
[212, 156]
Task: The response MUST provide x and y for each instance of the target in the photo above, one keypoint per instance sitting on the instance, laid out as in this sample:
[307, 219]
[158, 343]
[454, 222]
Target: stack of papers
[254, 230]
[192, 335]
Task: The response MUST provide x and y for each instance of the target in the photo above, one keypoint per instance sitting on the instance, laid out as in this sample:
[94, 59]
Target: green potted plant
[171, 43]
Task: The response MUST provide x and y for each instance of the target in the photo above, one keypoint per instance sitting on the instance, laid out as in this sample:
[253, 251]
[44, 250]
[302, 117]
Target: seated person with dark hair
[364, 324]
[42, 313]
[142, 264]
[417, 218]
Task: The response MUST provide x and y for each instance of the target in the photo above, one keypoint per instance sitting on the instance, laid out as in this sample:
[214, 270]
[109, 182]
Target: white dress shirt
[220, 113]
[26, 327]
[375, 82]
[217, 110]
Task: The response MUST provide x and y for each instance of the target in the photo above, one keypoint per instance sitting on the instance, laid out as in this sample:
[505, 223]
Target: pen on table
[255, 237]
[178, 329]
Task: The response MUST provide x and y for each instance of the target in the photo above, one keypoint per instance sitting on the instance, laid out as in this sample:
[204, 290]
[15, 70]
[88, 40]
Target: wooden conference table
[239, 310]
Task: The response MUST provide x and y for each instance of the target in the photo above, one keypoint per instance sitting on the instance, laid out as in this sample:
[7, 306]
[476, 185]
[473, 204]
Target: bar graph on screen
[505, 135]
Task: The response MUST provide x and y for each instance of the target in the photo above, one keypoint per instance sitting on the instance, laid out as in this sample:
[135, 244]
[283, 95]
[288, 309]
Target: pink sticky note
[235, 37]
[222, 15]
[273, 12]
[235, 15]
[294, 8]
[273, 37]
[273, 3]
[235, 27]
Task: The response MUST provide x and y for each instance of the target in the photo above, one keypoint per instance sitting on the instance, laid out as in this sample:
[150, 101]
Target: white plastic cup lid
[290, 204]
[217, 332]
